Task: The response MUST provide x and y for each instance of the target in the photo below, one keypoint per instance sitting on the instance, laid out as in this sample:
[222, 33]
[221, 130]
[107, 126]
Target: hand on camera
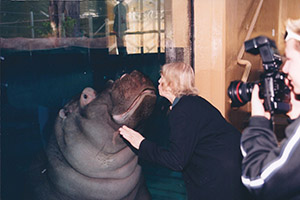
[257, 107]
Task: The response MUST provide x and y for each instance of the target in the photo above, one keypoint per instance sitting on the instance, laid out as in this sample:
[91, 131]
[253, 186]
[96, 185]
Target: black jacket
[204, 147]
[271, 171]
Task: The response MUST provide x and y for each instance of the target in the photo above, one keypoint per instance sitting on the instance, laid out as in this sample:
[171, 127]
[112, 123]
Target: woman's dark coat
[204, 147]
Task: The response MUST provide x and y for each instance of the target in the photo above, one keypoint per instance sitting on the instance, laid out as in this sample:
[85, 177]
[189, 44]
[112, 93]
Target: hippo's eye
[85, 96]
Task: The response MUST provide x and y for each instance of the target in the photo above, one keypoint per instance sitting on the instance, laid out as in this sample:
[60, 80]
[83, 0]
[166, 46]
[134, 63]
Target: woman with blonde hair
[202, 145]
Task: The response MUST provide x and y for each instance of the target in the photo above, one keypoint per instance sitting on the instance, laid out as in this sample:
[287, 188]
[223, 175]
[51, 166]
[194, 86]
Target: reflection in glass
[128, 26]
[144, 26]
[120, 25]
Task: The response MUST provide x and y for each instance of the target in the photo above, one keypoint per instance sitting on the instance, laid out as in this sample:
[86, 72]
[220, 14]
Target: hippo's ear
[62, 113]
[87, 95]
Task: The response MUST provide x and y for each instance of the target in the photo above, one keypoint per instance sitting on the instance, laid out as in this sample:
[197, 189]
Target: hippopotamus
[87, 157]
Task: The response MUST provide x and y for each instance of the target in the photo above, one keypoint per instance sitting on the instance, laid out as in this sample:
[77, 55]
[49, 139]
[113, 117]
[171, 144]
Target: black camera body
[272, 88]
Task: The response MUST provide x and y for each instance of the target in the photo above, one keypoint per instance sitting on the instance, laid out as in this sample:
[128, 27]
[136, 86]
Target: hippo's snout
[147, 94]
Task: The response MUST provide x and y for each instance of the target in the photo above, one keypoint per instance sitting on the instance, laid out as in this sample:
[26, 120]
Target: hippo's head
[127, 101]
[133, 97]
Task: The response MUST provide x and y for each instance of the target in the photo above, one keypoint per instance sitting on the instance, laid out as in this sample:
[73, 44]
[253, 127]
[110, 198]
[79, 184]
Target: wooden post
[209, 51]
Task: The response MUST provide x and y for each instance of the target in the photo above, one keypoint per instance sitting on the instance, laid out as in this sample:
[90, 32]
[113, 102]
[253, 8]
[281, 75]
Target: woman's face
[163, 90]
[292, 65]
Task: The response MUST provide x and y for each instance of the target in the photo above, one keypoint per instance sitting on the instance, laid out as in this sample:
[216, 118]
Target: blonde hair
[294, 26]
[180, 78]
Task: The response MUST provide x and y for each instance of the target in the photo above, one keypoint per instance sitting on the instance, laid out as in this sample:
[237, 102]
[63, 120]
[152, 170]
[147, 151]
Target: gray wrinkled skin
[87, 158]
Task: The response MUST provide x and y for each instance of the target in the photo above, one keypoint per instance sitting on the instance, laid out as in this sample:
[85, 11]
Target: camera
[272, 88]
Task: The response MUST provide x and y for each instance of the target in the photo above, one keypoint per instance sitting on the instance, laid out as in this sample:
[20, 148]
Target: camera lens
[239, 93]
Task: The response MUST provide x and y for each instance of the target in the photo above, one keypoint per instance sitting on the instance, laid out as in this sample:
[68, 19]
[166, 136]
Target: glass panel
[51, 50]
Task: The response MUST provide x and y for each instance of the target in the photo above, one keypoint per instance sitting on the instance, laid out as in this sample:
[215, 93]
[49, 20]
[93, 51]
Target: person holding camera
[271, 170]
[202, 144]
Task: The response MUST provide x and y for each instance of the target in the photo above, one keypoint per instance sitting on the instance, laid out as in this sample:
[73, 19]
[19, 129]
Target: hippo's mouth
[121, 118]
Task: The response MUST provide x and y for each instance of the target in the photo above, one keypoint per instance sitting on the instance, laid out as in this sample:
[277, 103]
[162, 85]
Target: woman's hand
[135, 138]
[257, 107]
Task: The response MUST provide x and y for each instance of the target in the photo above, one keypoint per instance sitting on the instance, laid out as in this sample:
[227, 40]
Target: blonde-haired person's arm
[132, 136]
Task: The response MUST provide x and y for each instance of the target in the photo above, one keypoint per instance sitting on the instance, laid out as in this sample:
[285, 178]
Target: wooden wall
[221, 27]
